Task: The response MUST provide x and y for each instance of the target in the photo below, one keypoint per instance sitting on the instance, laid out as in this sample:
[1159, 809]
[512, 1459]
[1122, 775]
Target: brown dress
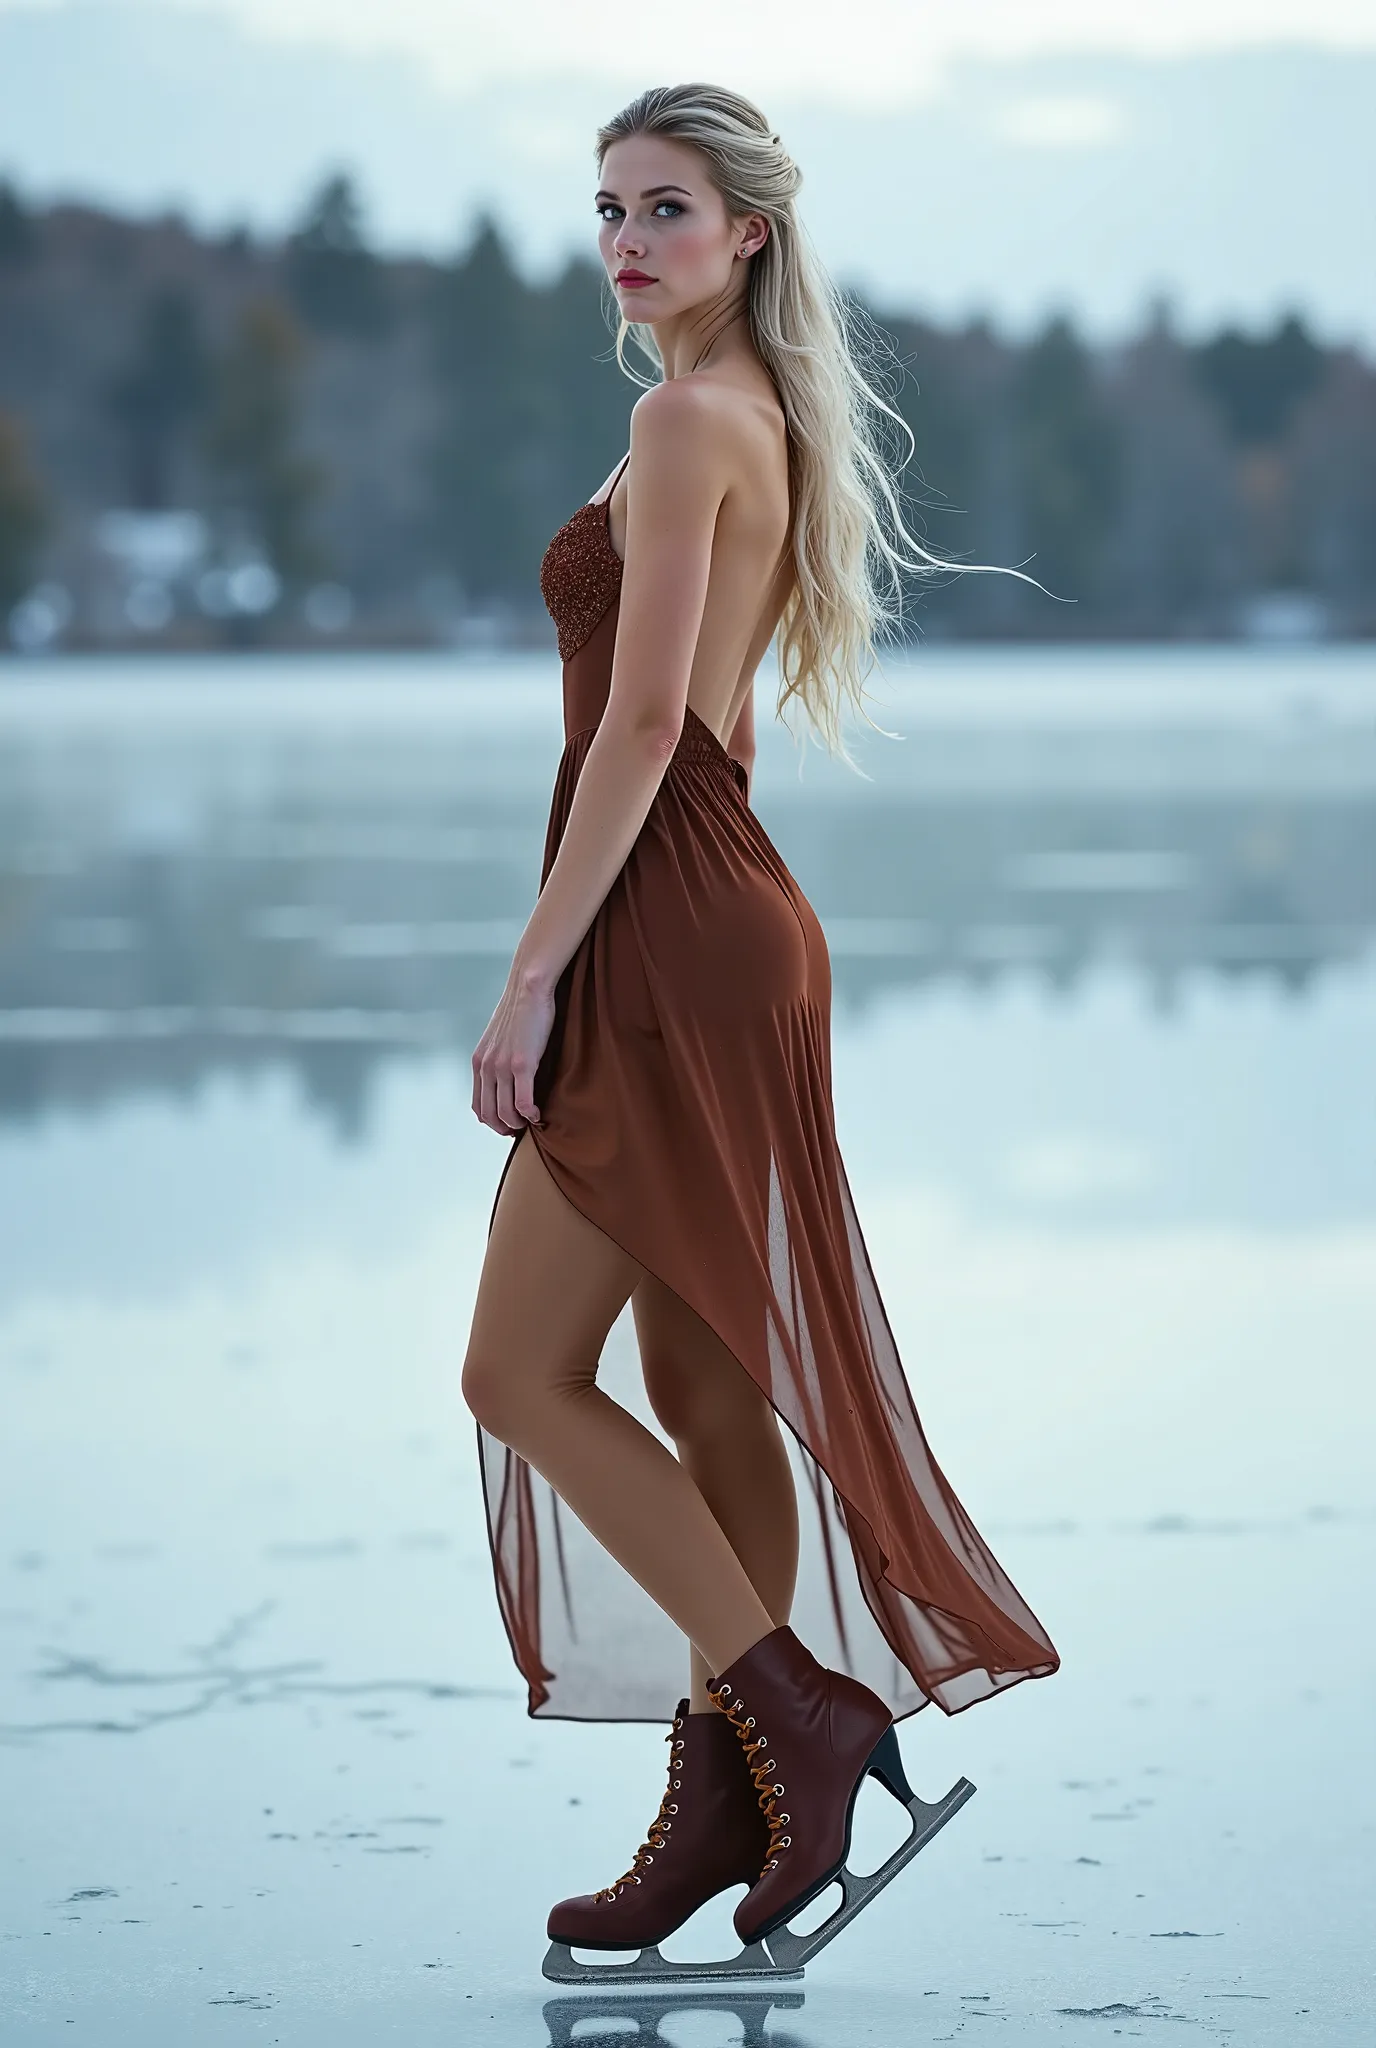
[686, 1096]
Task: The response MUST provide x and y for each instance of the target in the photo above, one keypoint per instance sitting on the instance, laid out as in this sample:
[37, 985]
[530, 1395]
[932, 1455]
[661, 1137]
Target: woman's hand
[508, 1053]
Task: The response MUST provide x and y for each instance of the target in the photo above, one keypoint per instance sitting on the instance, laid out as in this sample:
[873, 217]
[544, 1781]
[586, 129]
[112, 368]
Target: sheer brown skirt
[686, 1097]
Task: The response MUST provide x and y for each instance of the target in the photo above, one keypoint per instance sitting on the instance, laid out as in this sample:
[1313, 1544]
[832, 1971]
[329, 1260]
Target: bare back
[751, 571]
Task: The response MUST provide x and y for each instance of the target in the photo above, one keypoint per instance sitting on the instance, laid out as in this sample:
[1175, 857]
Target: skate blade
[792, 1952]
[754, 1964]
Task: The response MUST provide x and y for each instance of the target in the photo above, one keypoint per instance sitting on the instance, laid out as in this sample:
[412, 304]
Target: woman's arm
[680, 456]
[675, 485]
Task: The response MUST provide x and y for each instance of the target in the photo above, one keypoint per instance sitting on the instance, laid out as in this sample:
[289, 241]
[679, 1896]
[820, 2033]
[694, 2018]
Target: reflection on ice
[306, 859]
[638, 2018]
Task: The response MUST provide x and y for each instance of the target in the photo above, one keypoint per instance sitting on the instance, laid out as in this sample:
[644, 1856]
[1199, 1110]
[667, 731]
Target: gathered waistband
[696, 742]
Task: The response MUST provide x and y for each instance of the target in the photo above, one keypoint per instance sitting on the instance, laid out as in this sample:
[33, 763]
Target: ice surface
[265, 1772]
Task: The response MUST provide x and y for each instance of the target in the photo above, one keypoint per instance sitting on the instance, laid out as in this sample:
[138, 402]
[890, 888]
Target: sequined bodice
[580, 581]
[580, 577]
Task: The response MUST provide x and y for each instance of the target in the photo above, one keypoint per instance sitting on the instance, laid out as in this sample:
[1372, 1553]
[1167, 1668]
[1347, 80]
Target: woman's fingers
[492, 1110]
[506, 1061]
[506, 1101]
[523, 1092]
[485, 1089]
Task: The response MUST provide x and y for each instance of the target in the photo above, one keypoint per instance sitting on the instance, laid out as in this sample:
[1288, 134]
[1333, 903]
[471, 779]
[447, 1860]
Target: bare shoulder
[720, 423]
[673, 400]
[678, 417]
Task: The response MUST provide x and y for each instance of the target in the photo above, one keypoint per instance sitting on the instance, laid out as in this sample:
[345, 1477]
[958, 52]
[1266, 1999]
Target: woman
[663, 1043]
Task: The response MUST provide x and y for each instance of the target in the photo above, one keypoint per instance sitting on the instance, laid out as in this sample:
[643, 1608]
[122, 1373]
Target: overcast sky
[856, 50]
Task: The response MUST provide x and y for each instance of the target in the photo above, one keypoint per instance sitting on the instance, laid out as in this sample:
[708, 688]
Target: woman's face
[665, 235]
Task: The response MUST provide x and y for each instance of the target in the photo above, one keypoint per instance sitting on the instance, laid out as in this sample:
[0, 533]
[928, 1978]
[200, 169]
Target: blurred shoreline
[222, 441]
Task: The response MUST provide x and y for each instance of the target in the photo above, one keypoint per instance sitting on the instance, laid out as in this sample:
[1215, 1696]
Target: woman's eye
[609, 210]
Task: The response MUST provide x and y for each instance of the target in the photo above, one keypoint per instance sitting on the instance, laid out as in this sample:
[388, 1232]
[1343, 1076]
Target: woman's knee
[701, 1407]
[551, 1287]
[517, 1400]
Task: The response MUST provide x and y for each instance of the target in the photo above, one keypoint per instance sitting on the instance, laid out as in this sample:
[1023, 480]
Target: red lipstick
[634, 279]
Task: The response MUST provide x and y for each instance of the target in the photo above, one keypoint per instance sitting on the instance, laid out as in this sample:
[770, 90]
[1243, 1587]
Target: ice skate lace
[660, 1826]
[761, 1770]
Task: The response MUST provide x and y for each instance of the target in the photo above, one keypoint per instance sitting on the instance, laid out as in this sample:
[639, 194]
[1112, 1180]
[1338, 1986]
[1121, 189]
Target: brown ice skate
[811, 1736]
[709, 1834]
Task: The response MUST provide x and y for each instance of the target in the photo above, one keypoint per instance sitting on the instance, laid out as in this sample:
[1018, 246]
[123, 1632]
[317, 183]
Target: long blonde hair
[848, 444]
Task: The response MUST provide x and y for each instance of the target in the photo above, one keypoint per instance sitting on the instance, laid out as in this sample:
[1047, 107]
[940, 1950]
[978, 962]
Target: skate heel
[792, 1951]
[886, 1764]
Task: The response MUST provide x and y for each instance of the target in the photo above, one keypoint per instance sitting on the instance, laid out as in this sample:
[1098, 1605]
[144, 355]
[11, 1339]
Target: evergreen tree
[18, 236]
[334, 278]
[1334, 456]
[268, 487]
[24, 518]
[1067, 466]
[1179, 543]
[949, 390]
[488, 457]
[942, 476]
[1256, 383]
[160, 394]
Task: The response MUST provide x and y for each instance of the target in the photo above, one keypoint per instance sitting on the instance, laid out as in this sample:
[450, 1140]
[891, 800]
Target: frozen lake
[1103, 930]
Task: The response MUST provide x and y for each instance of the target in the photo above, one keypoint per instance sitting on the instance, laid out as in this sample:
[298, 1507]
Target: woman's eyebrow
[651, 192]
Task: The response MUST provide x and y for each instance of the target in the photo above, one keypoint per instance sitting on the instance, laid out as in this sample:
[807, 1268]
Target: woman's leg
[552, 1285]
[728, 1438]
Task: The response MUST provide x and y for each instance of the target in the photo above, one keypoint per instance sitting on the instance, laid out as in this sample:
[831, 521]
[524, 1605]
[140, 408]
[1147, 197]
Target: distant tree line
[407, 434]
